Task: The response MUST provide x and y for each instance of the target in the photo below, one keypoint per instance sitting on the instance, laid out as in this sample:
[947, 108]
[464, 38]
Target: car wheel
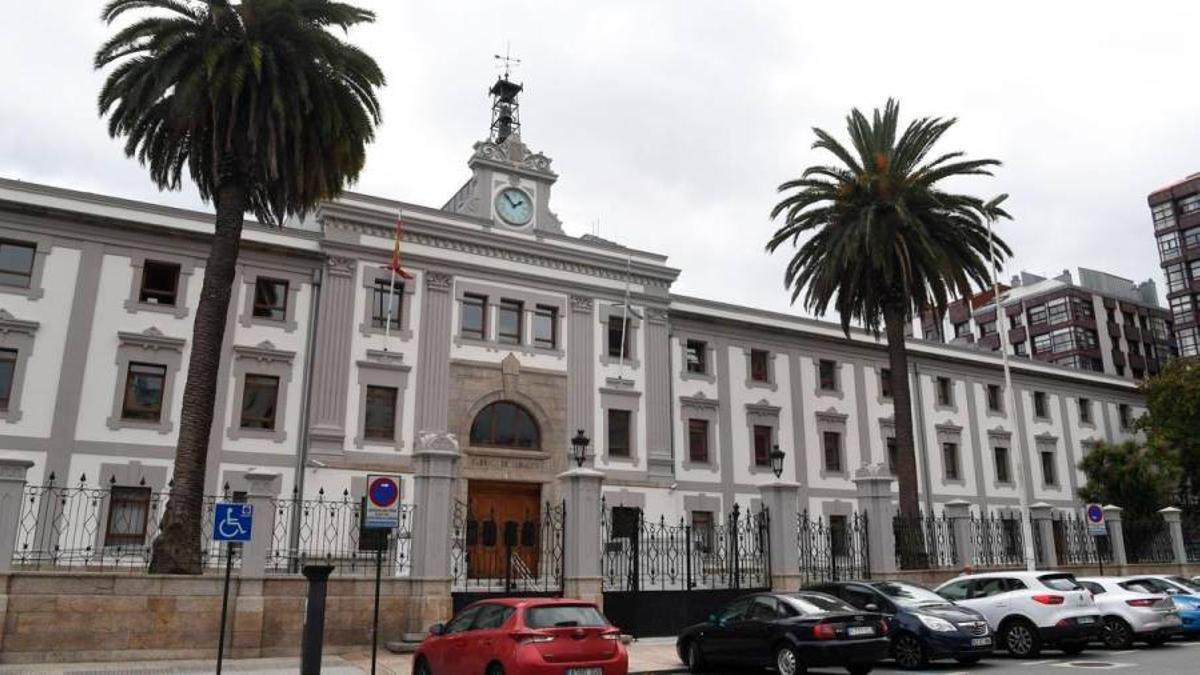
[1117, 634]
[1020, 638]
[495, 669]
[787, 661]
[422, 667]
[1073, 648]
[969, 660]
[695, 660]
[908, 651]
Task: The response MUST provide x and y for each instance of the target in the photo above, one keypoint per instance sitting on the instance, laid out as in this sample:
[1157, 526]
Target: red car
[524, 636]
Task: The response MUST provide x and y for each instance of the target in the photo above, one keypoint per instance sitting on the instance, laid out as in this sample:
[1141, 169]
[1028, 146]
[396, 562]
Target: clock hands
[509, 197]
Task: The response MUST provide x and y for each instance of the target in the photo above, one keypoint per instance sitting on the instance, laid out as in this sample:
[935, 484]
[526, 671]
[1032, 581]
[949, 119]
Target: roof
[534, 602]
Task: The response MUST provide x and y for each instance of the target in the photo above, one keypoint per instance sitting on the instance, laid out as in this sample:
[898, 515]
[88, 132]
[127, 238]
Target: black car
[788, 631]
[924, 625]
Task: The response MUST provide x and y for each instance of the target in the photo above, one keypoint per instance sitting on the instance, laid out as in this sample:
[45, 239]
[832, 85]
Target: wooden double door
[504, 529]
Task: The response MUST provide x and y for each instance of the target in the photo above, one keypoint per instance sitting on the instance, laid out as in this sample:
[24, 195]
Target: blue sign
[232, 522]
[383, 502]
[1095, 520]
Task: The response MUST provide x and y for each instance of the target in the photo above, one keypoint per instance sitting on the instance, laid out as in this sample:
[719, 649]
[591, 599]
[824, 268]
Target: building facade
[1175, 211]
[510, 334]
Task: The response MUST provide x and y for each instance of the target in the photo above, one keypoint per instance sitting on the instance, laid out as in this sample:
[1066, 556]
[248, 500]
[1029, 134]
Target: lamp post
[579, 446]
[777, 461]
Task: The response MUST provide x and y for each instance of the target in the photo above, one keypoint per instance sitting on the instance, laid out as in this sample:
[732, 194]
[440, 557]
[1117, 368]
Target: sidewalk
[651, 655]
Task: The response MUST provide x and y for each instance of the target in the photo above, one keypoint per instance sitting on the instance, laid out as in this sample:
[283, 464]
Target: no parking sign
[383, 502]
[1095, 520]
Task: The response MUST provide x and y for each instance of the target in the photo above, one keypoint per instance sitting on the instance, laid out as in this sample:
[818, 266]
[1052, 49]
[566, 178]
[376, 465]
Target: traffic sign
[1095, 520]
[383, 502]
[232, 522]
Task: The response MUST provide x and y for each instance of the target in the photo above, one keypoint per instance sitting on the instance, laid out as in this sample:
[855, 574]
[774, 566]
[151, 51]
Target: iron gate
[494, 558]
[660, 576]
[833, 548]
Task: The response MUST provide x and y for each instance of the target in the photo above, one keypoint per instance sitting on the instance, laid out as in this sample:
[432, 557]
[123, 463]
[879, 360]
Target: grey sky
[671, 123]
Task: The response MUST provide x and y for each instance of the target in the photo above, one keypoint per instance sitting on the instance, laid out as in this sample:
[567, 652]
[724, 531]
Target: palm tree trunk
[911, 544]
[177, 548]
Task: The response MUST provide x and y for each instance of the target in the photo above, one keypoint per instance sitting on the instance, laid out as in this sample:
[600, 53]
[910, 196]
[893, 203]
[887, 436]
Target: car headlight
[934, 623]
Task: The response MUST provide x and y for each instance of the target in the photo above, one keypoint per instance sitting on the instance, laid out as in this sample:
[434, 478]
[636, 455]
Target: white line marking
[1127, 651]
[1041, 663]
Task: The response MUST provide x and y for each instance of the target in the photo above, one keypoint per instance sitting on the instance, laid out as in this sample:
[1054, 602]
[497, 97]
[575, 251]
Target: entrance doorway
[507, 520]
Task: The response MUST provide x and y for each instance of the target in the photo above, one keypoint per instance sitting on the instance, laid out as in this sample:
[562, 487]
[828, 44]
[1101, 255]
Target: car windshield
[909, 595]
[564, 616]
[1059, 582]
[1190, 585]
[816, 603]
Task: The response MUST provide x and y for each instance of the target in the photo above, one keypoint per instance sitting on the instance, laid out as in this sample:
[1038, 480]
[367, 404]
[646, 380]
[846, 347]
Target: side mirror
[871, 607]
[437, 629]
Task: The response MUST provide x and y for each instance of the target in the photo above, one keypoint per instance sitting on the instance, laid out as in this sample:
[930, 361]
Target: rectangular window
[380, 422]
[1189, 341]
[508, 328]
[763, 439]
[619, 428]
[270, 298]
[1016, 320]
[1057, 311]
[8, 366]
[1176, 277]
[987, 328]
[1021, 348]
[962, 329]
[832, 445]
[16, 264]
[144, 384]
[1037, 315]
[702, 531]
[474, 317]
[893, 454]
[885, 382]
[1049, 476]
[1085, 410]
[1135, 348]
[618, 337]
[993, 398]
[945, 391]
[696, 356]
[1182, 307]
[1125, 415]
[827, 373]
[128, 512]
[1002, 469]
[1191, 238]
[950, 460]
[1168, 245]
[387, 300]
[760, 361]
[698, 441]
[1039, 404]
[1194, 270]
[1164, 216]
[545, 327]
[160, 283]
[1189, 204]
[259, 398]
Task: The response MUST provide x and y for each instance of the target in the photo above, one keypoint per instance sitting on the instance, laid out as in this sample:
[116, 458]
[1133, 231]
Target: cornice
[264, 352]
[10, 324]
[151, 339]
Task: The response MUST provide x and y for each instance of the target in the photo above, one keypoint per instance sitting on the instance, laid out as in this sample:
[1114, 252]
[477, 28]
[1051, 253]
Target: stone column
[261, 494]
[958, 512]
[1116, 534]
[12, 491]
[659, 458]
[582, 578]
[331, 367]
[436, 458]
[1171, 516]
[1040, 515]
[781, 500]
[433, 377]
[874, 483]
[581, 366]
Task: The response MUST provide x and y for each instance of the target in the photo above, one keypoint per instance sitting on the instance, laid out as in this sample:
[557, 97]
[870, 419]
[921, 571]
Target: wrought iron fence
[97, 527]
[496, 555]
[925, 542]
[1076, 546]
[1148, 540]
[329, 530]
[657, 555]
[1189, 519]
[833, 548]
[997, 540]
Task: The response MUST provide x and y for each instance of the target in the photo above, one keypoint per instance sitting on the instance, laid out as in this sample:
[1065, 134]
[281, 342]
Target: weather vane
[507, 62]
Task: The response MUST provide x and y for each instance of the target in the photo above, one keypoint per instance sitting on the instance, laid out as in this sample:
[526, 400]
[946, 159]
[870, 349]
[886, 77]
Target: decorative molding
[763, 409]
[948, 428]
[831, 415]
[264, 352]
[438, 281]
[581, 303]
[341, 267]
[11, 325]
[699, 402]
[619, 383]
[385, 356]
[656, 315]
[151, 339]
[437, 440]
[999, 432]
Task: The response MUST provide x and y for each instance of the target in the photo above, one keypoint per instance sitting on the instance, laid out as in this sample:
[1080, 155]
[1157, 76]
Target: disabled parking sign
[232, 522]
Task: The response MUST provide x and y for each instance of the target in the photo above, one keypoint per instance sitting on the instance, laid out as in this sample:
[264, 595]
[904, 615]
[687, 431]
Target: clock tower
[510, 184]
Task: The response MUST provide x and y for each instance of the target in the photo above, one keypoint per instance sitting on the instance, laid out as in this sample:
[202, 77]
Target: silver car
[1130, 614]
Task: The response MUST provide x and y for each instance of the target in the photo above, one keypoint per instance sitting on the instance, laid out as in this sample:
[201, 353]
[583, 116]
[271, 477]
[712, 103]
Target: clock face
[514, 206]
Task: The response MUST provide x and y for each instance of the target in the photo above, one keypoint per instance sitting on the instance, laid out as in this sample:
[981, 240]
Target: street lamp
[579, 446]
[777, 461]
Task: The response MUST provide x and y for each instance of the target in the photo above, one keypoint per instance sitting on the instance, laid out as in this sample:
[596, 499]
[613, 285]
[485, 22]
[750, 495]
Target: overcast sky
[671, 123]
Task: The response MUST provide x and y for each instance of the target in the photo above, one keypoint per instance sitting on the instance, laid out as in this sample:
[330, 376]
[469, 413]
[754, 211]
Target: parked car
[924, 626]
[1132, 613]
[1029, 610]
[1185, 593]
[524, 636]
[790, 632]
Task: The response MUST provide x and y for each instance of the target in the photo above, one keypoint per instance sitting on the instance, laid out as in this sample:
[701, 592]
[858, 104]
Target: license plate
[585, 671]
[860, 630]
[981, 642]
[1087, 619]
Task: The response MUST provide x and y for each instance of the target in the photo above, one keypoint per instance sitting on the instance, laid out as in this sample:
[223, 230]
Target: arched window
[505, 424]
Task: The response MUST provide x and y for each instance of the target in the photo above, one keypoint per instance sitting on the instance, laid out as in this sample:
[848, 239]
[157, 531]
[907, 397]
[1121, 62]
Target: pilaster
[658, 393]
[874, 484]
[433, 354]
[436, 458]
[1172, 517]
[958, 512]
[331, 365]
[1041, 518]
[581, 366]
[1116, 534]
[781, 500]
[580, 489]
[260, 494]
[12, 489]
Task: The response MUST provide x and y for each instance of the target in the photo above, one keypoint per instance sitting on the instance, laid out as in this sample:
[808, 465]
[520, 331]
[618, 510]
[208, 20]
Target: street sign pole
[232, 522]
[382, 514]
[375, 622]
[224, 605]
[1094, 516]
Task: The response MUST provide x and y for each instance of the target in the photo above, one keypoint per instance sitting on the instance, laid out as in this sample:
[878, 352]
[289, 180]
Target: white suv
[1029, 609]
[1131, 614]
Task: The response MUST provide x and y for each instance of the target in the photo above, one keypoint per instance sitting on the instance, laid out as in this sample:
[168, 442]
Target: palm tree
[270, 113]
[885, 241]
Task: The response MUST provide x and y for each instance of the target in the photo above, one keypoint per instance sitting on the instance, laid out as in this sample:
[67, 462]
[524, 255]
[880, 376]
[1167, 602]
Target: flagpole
[625, 318]
[387, 315]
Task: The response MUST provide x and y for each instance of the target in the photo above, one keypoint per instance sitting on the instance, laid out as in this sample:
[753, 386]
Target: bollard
[314, 619]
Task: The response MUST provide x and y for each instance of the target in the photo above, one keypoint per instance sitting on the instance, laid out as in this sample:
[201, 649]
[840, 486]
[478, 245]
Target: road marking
[1041, 663]
[1122, 653]
[1092, 665]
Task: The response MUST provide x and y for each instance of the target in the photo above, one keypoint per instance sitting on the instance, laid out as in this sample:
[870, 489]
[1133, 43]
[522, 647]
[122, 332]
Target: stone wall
[58, 616]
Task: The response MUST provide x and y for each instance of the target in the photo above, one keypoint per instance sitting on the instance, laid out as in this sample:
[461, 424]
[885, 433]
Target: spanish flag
[394, 265]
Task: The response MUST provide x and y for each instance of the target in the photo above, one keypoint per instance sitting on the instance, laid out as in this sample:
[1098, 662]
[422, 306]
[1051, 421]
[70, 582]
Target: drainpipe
[920, 438]
[671, 395]
[305, 404]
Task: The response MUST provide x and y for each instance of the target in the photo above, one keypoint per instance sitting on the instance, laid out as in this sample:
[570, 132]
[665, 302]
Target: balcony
[1133, 333]
[1114, 330]
[1118, 357]
[1137, 361]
